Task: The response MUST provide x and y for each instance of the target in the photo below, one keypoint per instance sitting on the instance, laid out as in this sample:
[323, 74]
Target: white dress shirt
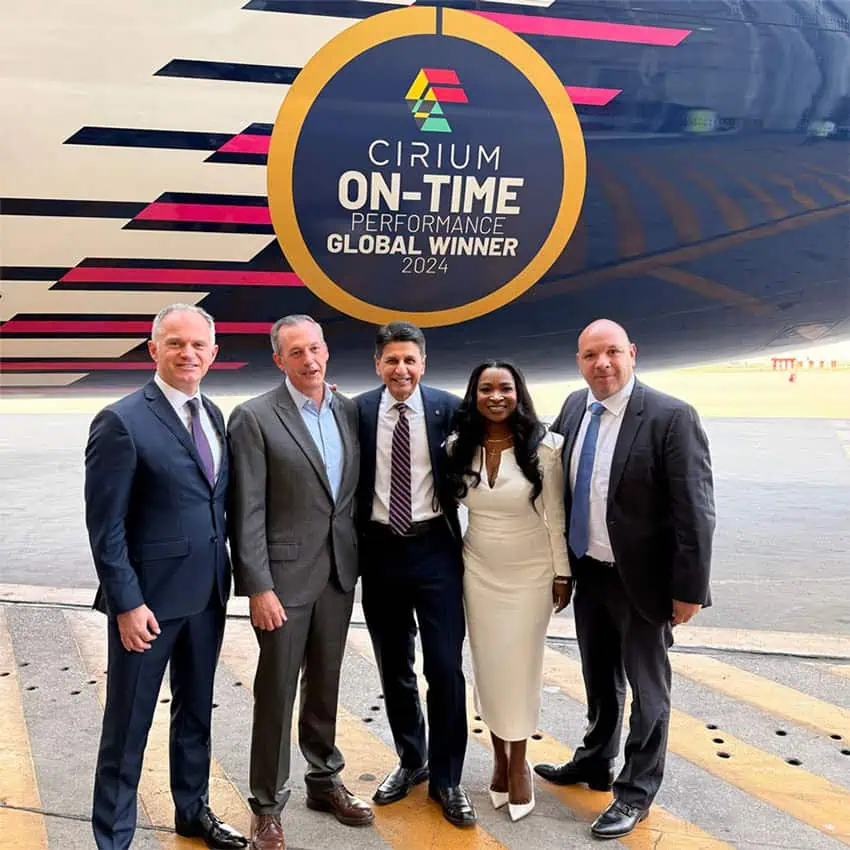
[599, 543]
[421, 477]
[177, 400]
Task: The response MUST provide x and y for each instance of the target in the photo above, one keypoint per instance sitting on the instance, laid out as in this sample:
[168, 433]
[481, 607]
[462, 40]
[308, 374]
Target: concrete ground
[759, 749]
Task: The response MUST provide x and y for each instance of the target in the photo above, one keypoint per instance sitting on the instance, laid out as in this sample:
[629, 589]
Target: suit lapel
[572, 424]
[290, 416]
[163, 410]
[632, 420]
[345, 437]
[218, 424]
[435, 413]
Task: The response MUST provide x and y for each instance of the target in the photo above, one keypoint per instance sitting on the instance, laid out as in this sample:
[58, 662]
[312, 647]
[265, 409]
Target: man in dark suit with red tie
[411, 564]
[156, 478]
[640, 503]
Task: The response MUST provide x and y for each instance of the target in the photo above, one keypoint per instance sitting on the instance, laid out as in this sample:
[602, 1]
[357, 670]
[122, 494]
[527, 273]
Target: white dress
[511, 555]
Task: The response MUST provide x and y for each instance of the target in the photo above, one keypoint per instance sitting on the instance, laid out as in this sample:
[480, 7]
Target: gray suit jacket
[286, 532]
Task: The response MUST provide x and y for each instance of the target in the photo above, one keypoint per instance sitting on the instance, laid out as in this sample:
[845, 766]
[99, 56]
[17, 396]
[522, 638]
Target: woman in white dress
[506, 468]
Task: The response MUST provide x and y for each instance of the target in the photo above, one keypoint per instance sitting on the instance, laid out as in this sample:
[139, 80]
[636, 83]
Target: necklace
[491, 441]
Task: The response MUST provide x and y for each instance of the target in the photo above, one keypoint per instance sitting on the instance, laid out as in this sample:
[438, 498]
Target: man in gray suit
[295, 464]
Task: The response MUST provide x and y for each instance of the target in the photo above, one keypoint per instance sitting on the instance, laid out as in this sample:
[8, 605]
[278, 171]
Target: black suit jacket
[660, 511]
[440, 408]
[156, 527]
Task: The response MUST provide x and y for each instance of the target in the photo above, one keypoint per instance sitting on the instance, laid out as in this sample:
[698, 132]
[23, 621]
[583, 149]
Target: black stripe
[238, 158]
[70, 208]
[329, 8]
[198, 226]
[127, 137]
[208, 198]
[259, 129]
[31, 272]
[200, 69]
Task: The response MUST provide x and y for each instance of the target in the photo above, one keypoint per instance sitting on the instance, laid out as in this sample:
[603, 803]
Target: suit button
[213, 539]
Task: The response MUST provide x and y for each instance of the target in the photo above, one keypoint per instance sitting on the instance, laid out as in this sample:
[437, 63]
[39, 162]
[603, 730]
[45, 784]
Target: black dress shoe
[597, 777]
[397, 784]
[617, 820]
[457, 807]
[215, 833]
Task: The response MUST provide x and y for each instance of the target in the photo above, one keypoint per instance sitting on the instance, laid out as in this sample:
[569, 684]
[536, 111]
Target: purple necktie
[400, 474]
[201, 442]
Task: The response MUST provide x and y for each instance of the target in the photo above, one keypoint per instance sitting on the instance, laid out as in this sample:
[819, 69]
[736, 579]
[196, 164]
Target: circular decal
[426, 164]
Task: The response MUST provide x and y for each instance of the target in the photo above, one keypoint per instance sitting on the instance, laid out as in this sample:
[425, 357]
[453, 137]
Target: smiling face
[496, 397]
[303, 357]
[183, 350]
[400, 366]
[606, 358]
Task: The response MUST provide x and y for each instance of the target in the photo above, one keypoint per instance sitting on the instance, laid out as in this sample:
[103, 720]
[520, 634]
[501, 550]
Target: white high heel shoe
[518, 811]
[499, 799]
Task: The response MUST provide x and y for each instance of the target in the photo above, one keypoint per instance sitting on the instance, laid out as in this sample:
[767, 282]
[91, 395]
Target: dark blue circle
[365, 101]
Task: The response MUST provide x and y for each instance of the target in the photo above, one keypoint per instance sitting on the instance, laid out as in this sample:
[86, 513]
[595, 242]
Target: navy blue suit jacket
[440, 408]
[156, 527]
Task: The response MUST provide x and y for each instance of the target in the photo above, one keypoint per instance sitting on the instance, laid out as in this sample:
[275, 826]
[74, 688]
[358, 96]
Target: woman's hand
[562, 591]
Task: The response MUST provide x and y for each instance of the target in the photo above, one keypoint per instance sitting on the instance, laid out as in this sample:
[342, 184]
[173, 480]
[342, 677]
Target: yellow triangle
[419, 85]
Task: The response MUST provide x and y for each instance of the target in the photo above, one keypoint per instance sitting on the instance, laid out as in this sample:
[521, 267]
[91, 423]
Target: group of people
[305, 490]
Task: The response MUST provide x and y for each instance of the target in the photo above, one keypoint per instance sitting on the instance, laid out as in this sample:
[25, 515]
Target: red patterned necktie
[401, 516]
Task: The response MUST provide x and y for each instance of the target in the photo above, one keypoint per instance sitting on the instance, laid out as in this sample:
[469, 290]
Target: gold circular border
[341, 50]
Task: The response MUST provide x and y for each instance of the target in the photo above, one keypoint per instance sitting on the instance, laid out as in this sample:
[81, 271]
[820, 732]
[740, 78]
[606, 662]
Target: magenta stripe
[51, 326]
[95, 365]
[593, 30]
[202, 277]
[246, 143]
[587, 96]
[225, 213]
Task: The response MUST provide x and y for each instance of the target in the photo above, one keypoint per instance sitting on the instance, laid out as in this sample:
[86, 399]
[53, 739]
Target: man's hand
[683, 611]
[266, 611]
[562, 591]
[137, 627]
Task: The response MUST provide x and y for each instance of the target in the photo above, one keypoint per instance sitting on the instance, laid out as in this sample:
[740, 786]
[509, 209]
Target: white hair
[182, 308]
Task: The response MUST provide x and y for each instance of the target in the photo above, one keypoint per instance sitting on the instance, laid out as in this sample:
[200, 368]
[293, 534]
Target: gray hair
[289, 322]
[182, 308]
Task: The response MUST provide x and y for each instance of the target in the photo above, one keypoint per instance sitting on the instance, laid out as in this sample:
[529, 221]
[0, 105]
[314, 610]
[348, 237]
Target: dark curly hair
[469, 429]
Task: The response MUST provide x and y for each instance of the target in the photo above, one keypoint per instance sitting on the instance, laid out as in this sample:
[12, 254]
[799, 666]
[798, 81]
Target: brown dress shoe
[267, 833]
[344, 806]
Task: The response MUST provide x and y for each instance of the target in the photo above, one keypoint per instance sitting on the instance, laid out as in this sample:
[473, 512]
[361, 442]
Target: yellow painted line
[801, 198]
[681, 212]
[773, 207]
[803, 795]
[660, 830]
[812, 167]
[416, 821]
[630, 237]
[839, 669]
[18, 783]
[712, 290]
[733, 215]
[833, 191]
[764, 694]
[89, 632]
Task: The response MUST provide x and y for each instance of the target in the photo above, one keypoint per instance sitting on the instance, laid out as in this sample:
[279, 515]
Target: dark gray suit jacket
[286, 532]
[660, 499]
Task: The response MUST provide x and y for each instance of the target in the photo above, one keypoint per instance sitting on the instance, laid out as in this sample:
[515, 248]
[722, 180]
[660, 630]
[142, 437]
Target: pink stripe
[94, 365]
[445, 95]
[593, 30]
[446, 76]
[224, 213]
[202, 277]
[51, 326]
[246, 143]
[586, 96]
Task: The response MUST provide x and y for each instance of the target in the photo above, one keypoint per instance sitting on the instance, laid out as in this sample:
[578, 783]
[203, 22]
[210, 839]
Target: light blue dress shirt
[323, 429]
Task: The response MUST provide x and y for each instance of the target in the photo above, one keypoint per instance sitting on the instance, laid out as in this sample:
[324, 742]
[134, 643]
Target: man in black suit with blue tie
[411, 563]
[156, 476]
[640, 502]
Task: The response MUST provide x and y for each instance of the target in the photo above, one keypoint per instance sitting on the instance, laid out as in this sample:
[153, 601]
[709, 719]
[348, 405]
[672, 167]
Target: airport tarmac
[760, 736]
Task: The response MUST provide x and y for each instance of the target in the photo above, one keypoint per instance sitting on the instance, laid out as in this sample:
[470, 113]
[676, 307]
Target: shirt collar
[616, 403]
[175, 397]
[302, 401]
[414, 402]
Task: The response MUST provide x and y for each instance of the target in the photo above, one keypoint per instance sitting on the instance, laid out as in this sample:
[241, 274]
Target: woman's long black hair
[469, 429]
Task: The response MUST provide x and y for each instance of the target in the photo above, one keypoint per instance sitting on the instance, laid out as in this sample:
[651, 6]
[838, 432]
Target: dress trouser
[310, 644]
[617, 643]
[192, 646]
[421, 575]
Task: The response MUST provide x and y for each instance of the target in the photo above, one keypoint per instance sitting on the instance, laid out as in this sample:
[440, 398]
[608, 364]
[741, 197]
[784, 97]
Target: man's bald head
[606, 357]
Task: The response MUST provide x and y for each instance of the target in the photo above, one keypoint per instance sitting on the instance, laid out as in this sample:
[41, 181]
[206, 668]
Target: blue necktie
[580, 514]
[201, 442]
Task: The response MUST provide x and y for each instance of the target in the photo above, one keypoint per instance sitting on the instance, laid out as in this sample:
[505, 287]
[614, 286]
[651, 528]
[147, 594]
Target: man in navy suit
[155, 486]
[411, 562]
[640, 503]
